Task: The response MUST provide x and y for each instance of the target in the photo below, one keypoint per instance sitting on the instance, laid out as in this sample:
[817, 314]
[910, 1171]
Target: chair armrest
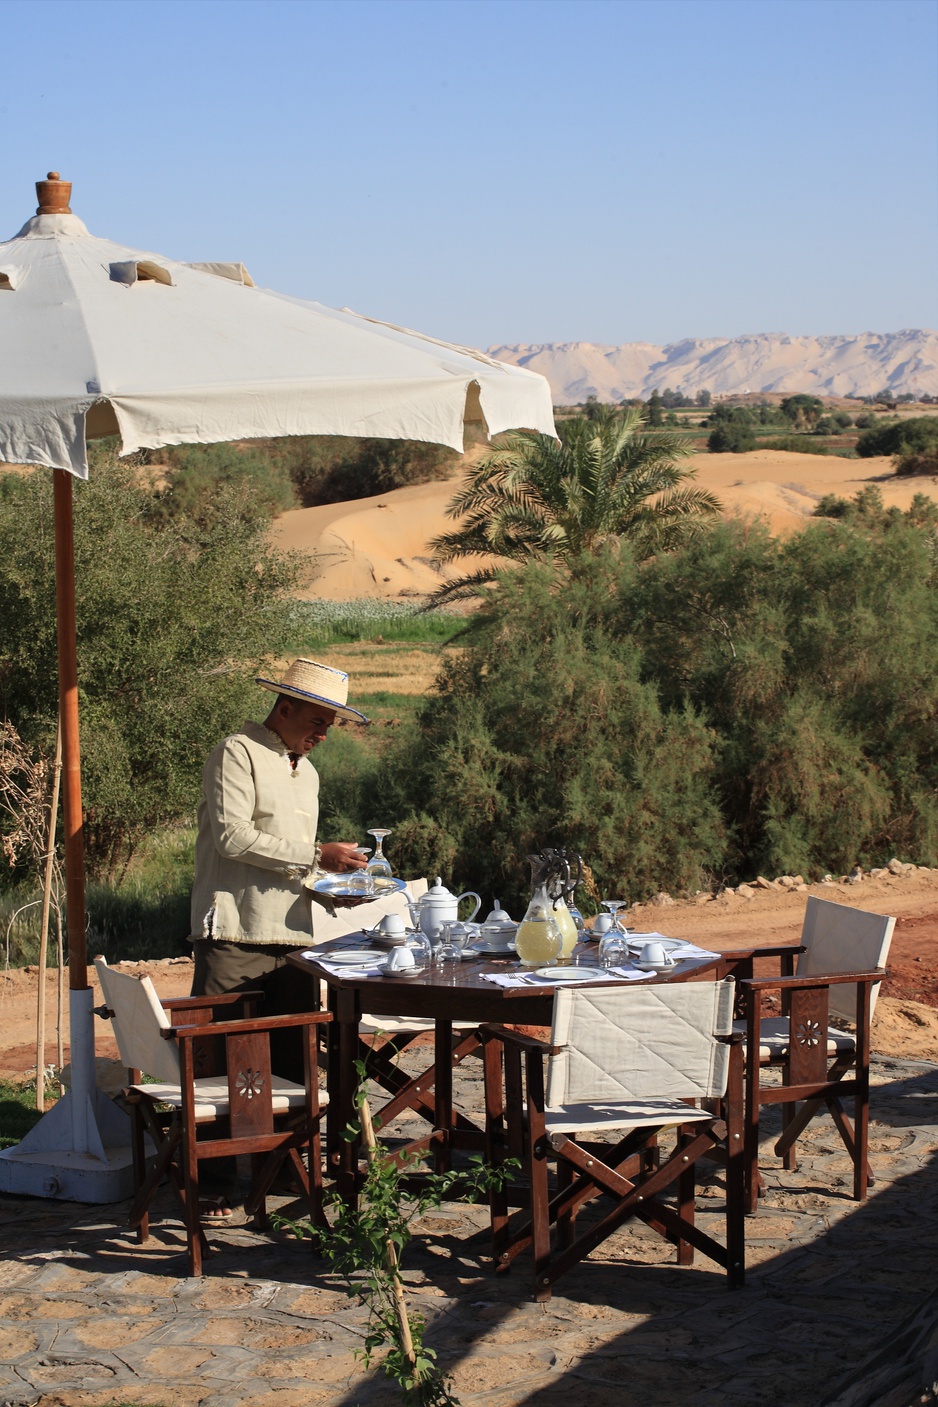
[200, 1003]
[248, 1026]
[830, 979]
[516, 1038]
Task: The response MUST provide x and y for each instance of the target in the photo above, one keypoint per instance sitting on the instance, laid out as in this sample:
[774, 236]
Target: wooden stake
[60, 997]
[44, 927]
[390, 1250]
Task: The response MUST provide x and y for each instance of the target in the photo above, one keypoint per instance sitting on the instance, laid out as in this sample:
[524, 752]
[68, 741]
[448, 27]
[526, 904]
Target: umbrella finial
[54, 195]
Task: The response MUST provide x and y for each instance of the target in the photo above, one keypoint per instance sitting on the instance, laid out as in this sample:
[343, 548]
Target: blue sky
[504, 170]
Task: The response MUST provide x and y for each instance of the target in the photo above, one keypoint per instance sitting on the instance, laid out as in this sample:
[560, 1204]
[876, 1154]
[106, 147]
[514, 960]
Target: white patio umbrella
[98, 339]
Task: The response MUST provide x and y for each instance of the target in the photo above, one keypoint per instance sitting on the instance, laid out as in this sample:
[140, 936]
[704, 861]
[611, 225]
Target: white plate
[668, 944]
[480, 952]
[648, 967]
[564, 974]
[351, 957]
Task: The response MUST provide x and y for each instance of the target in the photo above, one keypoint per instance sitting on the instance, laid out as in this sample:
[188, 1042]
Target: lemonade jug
[539, 939]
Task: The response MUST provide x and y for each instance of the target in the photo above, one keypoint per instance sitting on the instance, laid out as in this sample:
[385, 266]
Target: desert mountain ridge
[901, 363]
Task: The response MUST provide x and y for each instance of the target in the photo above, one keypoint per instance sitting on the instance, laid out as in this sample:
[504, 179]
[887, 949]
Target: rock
[855, 876]
[703, 897]
[110, 1076]
[895, 866]
[828, 879]
[786, 881]
[745, 891]
[878, 874]
[763, 883]
[801, 888]
[663, 899]
[798, 879]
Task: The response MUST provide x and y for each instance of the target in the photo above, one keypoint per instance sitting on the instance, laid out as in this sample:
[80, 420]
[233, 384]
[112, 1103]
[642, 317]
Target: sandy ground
[905, 1024]
[379, 547]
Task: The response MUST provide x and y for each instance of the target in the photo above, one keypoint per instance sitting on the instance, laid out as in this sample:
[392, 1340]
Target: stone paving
[88, 1317]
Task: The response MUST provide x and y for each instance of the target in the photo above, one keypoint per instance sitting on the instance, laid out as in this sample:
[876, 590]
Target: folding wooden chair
[840, 967]
[624, 1063]
[245, 1109]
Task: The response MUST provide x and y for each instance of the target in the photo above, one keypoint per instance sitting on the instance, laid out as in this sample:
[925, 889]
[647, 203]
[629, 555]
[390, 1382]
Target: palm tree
[606, 479]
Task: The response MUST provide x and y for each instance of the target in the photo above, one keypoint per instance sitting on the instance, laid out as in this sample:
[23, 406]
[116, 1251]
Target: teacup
[655, 955]
[392, 928]
[400, 960]
[602, 924]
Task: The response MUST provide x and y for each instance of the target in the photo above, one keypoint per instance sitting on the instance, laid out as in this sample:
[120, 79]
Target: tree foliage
[174, 616]
[918, 435]
[802, 410]
[740, 704]
[606, 479]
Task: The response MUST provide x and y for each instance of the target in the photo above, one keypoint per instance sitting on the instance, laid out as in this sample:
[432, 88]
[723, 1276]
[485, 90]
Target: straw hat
[315, 683]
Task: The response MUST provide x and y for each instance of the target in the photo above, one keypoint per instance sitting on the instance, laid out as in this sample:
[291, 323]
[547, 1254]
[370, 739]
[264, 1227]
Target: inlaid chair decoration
[839, 970]
[624, 1066]
[244, 1109]
[398, 1033]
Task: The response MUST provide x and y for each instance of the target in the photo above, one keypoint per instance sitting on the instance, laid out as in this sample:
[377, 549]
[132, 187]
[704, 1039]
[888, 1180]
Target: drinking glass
[452, 941]
[614, 905]
[378, 866]
[613, 949]
[360, 881]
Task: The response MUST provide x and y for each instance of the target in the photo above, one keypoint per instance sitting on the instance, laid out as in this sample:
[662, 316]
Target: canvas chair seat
[606, 1118]
[774, 1037]
[637, 1061]
[212, 1101]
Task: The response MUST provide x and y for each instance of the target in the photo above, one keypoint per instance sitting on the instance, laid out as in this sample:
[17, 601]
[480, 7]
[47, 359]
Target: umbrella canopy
[96, 338]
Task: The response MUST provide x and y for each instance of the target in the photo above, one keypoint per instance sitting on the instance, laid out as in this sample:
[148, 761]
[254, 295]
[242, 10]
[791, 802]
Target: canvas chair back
[138, 1022]
[326, 926]
[625, 1043]
[841, 939]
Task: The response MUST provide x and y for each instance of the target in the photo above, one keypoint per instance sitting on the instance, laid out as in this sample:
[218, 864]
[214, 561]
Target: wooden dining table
[455, 996]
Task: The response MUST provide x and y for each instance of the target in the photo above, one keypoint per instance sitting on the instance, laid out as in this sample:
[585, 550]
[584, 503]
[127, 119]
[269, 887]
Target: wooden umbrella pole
[44, 927]
[68, 714]
[390, 1250]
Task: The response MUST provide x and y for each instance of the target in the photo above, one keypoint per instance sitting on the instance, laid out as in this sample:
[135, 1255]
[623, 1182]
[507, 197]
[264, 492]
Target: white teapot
[439, 906]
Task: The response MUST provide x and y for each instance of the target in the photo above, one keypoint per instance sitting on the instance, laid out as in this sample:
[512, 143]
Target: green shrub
[731, 438]
[918, 435]
[795, 444]
[544, 733]
[920, 462]
[174, 617]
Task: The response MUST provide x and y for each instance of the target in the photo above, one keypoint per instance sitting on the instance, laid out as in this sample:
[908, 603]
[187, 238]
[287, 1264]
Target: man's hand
[341, 856]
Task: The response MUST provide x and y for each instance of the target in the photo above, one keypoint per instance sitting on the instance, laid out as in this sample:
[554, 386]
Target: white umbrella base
[65, 1175]
[80, 1150]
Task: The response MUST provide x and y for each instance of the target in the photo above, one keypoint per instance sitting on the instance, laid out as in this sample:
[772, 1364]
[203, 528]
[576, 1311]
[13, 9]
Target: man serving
[257, 839]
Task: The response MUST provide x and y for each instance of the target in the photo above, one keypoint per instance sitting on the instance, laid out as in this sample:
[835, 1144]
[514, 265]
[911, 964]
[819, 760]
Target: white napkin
[690, 950]
[518, 979]
[686, 949]
[344, 969]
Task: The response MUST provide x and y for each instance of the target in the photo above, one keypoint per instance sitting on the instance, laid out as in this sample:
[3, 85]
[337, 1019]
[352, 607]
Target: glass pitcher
[539, 939]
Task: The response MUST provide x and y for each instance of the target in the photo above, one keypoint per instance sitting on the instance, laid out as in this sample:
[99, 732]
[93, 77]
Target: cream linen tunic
[257, 837]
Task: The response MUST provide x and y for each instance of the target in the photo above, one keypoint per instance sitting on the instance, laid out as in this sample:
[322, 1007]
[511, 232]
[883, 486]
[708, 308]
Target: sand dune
[769, 362]
[379, 547]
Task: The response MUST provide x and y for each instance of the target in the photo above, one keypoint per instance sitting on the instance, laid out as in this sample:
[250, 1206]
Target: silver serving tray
[336, 886]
